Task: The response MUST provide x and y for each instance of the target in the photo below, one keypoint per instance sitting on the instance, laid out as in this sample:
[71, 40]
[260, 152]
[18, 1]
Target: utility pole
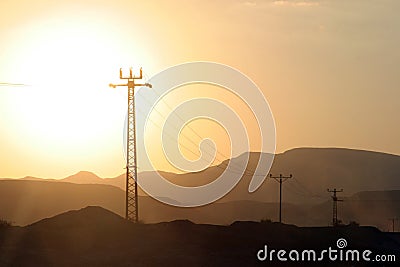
[393, 220]
[280, 179]
[13, 84]
[131, 194]
[334, 208]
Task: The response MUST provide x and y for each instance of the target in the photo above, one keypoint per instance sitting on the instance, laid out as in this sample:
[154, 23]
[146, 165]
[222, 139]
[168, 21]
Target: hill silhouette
[366, 178]
[94, 236]
[84, 177]
[24, 202]
[314, 169]
[103, 218]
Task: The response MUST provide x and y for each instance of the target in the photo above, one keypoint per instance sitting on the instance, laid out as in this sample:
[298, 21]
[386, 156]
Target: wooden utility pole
[280, 179]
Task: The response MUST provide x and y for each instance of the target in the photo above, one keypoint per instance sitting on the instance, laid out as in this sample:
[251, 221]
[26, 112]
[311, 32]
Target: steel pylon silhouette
[131, 193]
[335, 200]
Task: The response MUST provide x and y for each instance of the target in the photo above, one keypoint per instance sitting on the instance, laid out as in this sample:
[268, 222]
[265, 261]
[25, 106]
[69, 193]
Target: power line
[371, 200]
[294, 189]
[168, 135]
[311, 194]
[201, 138]
[194, 153]
[13, 84]
[237, 170]
[182, 134]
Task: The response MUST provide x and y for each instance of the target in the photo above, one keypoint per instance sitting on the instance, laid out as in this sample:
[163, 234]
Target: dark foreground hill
[94, 236]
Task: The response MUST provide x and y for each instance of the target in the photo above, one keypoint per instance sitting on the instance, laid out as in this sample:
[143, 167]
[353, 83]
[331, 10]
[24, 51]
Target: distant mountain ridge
[314, 170]
[24, 202]
[324, 162]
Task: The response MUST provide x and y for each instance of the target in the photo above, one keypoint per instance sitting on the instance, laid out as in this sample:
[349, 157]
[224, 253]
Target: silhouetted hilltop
[94, 236]
[91, 216]
[84, 177]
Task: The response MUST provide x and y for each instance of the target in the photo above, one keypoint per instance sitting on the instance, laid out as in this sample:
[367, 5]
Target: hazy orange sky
[329, 69]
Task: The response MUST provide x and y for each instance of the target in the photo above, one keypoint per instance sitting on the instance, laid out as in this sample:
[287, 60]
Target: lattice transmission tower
[131, 193]
[335, 200]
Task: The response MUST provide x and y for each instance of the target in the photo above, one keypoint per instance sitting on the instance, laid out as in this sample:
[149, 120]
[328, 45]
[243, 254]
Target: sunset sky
[329, 70]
